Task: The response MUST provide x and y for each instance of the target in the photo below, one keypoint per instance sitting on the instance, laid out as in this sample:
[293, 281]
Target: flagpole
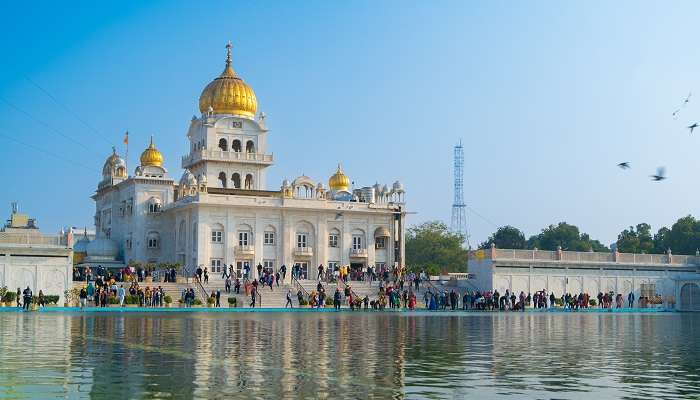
[126, 141]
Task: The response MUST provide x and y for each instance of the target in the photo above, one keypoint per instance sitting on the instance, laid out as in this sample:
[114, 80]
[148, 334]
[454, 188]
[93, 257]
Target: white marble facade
[31, 259]
[220, 212]
[562, 272]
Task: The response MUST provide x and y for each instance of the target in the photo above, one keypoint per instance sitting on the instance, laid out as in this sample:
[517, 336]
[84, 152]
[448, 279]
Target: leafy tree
[636, 240]
[506, 237]
[432, 247]
[662, 240]
[684, 237]
[565, 235]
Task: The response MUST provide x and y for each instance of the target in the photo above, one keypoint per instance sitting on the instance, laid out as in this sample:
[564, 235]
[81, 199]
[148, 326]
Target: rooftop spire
[228, 53]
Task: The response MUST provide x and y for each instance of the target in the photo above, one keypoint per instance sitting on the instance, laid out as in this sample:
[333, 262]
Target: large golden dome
[151, 156]
[228, 94]
[339, 181]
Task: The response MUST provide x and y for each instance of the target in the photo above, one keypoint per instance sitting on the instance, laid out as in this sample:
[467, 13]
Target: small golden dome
[339, 181]
[228, 94]
[151, 156]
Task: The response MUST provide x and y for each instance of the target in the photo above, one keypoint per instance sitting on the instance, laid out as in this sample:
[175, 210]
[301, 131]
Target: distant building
[560, 272]
[30, 258]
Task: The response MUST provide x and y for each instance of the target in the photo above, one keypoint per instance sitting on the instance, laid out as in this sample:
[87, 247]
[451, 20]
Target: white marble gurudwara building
[220, 211]
[574, 272]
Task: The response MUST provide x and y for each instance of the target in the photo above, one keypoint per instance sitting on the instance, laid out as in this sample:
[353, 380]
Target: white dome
[398, 187]
[102, 248]
[285, 183]
[188, 179]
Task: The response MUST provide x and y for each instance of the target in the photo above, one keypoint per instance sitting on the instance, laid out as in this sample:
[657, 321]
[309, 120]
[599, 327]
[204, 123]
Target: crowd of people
[104, 292]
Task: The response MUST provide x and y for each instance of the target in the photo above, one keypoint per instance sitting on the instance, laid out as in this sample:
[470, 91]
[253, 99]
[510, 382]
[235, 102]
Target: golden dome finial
[228, 53]
[339, 181]
[228, 94]
[151, 156]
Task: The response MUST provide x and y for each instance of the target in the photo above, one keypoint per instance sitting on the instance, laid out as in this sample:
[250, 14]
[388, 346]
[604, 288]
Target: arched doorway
[690, 297]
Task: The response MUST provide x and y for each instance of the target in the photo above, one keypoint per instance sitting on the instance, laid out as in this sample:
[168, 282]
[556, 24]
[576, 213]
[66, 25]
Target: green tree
[636, 240]
[565, 235]
[684, 237]
[430, 246]
[506, 237]
[662, 240]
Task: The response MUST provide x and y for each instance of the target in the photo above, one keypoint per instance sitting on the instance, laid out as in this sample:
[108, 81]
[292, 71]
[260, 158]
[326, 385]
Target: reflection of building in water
[301, 356]
[31, 259]
[221, 212]
[35, 355]
[575, 272]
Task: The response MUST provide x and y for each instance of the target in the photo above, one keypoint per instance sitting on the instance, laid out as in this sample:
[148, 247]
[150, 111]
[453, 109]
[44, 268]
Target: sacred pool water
[349, 355]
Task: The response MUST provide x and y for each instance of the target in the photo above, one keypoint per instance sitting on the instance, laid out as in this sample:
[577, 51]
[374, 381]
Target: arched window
[250, 147]
[223, 145]
[249, 181]
[236, 178]
[153, 240]
[222, 179]
[154, 205]
[236, 146]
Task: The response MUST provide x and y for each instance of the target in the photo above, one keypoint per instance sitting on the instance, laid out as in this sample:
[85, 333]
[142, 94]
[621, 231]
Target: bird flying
[685, 102]
[691, 127]
[624, 165]
[660, 175]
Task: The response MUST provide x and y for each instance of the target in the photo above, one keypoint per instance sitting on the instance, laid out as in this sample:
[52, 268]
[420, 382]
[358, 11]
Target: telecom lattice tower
[459, 209]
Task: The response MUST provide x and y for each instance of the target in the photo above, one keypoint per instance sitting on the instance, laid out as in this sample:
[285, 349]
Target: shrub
[131, 299]
[232, 301]
[3, 290]
[112, 300]
[180, 301]
[559, 302]
[9, 296]
[167, 299]
[592, 302]
[303, 302]
[52, 298]
[197, 302]
[210, 300]
[329, 301]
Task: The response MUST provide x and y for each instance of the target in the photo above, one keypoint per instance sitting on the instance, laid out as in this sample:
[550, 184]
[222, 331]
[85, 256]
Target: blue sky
[547, 97]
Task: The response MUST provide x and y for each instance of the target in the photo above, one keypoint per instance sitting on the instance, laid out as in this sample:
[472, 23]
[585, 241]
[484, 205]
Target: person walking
[83, 297]
[27, 294]
[630, 299]
[253, 296]
[289, 299]
[199, 273]
[283, 269]
[206, 275]
[121, 293]
[336, 299]
[218, 298]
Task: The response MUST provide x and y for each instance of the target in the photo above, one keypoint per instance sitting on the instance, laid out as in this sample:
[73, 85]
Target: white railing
[303, 251]
[32, 239]
[358, 252]
[226, 156]
[245, 249]
[591, 257]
